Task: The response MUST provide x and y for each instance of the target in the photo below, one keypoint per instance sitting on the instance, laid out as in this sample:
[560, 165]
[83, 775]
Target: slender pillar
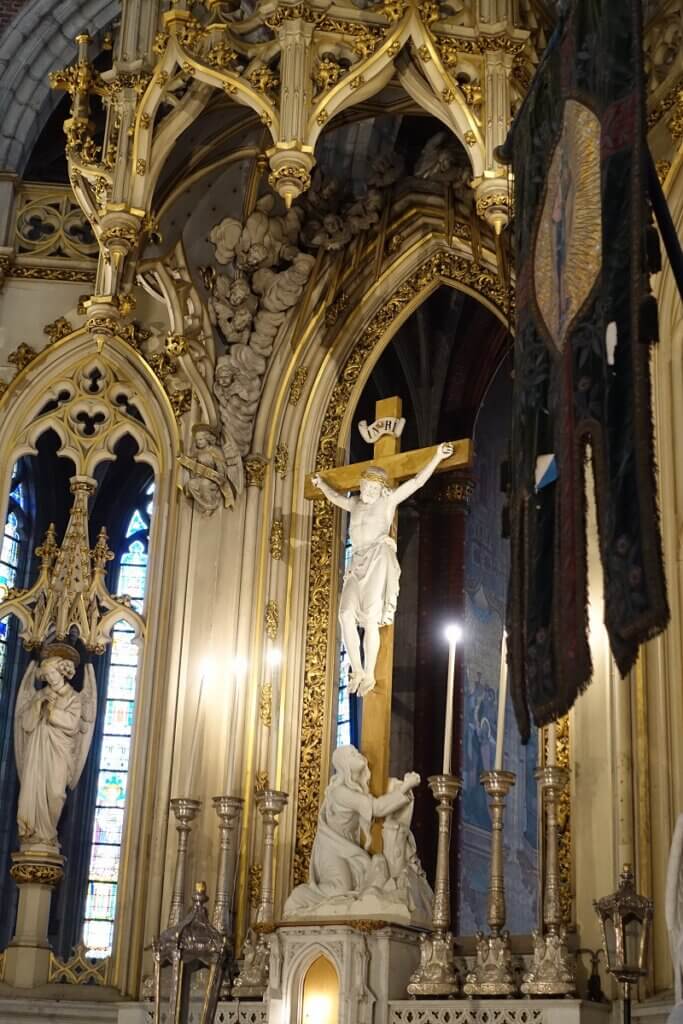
[36, 870]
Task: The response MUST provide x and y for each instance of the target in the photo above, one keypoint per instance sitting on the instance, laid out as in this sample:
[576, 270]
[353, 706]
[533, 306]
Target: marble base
[52, 1011]
[374, 963]
[502, 1011]
[657, 1011]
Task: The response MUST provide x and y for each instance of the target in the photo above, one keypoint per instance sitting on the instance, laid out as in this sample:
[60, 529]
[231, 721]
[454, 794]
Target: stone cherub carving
[371, 585]
[53, 728]
[344, 878]
[213, 479]
[265, 275]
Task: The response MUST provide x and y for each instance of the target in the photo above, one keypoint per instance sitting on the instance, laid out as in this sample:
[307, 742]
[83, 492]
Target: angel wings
[53, 729]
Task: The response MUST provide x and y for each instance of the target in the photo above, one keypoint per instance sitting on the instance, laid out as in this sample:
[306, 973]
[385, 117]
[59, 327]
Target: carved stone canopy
[70, 594]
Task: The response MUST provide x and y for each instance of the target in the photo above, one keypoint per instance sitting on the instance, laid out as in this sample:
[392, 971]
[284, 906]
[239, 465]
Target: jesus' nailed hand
[371, 584]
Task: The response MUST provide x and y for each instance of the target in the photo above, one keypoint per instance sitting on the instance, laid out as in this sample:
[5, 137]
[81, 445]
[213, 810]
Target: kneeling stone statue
[344, 878]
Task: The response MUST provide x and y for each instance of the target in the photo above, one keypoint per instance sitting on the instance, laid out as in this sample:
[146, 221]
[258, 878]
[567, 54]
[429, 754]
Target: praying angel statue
[370, 591]
[53, 729]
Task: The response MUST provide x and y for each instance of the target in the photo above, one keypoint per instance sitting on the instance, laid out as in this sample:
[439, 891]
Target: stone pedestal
[36, 870]
[373, 961]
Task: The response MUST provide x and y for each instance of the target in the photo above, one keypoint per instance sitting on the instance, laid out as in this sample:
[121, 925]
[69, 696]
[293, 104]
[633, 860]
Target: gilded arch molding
[442, 267]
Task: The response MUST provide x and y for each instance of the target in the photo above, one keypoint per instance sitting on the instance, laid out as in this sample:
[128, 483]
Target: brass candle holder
[552, 968]
[437, 974]
[493, 973]
[185, 810]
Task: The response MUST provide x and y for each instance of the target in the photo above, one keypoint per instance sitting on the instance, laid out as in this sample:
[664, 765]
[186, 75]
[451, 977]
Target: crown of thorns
[375, 473]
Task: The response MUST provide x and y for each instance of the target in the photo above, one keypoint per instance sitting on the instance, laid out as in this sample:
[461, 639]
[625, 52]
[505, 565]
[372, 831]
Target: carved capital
[255, 470]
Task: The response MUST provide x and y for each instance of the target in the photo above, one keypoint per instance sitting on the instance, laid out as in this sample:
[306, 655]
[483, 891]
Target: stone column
[36, 870]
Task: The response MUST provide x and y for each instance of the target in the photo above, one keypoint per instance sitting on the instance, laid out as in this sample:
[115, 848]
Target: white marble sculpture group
[370, 592]
[53, 728]
[345, 879]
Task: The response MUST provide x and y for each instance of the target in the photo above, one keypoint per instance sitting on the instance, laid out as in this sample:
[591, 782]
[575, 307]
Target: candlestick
[185, 810]
[437, 974]
[502, 697]
[493, 973]
[238, 668]
[274, 659]
[552, 968]
[452, 635]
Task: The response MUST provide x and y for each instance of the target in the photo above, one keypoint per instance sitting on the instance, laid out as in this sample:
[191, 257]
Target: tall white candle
[452, 635]
[552, 744]
[502, 697]
[238, 670]
[274, 659]
[197, 728]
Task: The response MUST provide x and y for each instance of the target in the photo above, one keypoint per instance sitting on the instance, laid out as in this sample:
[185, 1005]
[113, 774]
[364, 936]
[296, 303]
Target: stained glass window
[10, 554]
[119, 719]
[344, 703]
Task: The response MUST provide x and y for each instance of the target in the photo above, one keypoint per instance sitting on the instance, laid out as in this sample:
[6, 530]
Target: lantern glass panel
[610, 942]
[632, 936]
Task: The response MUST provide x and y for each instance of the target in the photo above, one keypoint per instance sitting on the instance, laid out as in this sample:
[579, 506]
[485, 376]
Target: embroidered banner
[585, 318]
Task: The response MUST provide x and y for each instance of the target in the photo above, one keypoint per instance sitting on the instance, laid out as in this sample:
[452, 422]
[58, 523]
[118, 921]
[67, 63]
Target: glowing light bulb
[274, 656]
[453, 633]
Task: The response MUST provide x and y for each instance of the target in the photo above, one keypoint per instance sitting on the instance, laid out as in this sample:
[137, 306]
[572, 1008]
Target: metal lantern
[189, 946]
[625, 919]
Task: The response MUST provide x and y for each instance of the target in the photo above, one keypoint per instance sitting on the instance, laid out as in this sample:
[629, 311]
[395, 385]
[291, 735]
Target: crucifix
[371, 584]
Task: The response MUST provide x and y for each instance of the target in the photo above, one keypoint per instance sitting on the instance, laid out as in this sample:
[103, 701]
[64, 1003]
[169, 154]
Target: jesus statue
[371, 584]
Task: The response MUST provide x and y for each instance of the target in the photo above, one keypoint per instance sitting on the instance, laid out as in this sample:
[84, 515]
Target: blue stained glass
[343, 701]
[97, 937]
[111, 789]
[118, 717]
[3, 628]
[132, 580]
[104, 863]
[122, 682]
[108, 825]
[101, 900]
[135, 555]
[112, 781]
[115, 753]
[124, 651]
[136, 525]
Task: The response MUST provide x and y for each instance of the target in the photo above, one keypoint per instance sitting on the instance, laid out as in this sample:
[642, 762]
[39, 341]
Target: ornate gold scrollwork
[37, 874]
[277, 538]
[272, 618]
[297, 386]
[564, 818]
[445, 266]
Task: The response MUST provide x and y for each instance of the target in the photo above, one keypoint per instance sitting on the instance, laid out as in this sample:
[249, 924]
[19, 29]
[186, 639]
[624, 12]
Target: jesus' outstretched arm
[408, 487]
[340, 500]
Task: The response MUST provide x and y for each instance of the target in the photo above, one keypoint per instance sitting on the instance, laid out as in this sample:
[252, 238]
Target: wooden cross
[376, 723]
